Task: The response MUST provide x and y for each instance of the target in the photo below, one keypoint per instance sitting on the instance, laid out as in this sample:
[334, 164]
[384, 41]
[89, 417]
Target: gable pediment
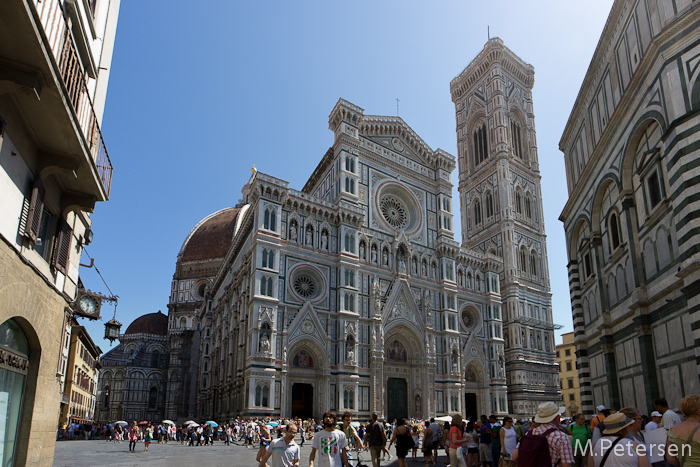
[306, 325]
[401, 306]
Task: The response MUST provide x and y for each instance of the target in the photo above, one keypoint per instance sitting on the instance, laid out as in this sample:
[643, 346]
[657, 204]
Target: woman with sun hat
[615, 449]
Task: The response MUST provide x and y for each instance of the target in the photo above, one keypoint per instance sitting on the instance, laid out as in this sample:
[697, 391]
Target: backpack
[534, 450]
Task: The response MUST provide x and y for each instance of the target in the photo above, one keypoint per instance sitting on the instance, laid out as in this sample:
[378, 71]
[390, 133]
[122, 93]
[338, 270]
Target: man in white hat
[549, 418]
[654, 423]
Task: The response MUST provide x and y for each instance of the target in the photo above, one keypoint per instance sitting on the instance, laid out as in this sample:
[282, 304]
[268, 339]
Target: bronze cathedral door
[397, 399]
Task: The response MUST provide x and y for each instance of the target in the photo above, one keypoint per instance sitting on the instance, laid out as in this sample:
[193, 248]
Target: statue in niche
[433, 271]
[426, 303]
[377, 295]
[350, 356]
[324, 240]
[424, 270]
[454, 362]
[418, 406]
[293, 232]
[264, 344]
[374, 254]
[309, 236]
[546, 342]
[532, 341]
[363, 251]
[415, 266]
[402, 263]
[385, 257]
[523, 339]
[284, 356]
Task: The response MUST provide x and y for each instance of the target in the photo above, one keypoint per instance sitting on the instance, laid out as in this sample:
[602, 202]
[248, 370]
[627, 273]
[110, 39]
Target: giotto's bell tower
[501, 207]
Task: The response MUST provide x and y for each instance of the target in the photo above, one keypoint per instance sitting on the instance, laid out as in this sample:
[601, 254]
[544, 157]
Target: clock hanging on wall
[88, 304]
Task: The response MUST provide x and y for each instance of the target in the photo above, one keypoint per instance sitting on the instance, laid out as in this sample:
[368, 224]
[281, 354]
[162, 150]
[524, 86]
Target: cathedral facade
[353, 294]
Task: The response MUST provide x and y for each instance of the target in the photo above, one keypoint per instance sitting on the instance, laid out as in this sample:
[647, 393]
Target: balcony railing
[60, 40]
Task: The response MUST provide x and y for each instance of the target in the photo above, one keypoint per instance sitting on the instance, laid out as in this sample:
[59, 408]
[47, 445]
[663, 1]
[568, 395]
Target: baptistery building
[352, 292]
[631, 220]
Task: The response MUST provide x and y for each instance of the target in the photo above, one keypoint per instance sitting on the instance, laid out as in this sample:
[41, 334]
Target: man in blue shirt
[485, 442]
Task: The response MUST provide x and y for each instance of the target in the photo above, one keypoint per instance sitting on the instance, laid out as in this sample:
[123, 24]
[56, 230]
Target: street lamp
[112, 327]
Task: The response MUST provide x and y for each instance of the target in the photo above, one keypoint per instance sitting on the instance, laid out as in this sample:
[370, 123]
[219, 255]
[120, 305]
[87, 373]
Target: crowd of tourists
[612, 438]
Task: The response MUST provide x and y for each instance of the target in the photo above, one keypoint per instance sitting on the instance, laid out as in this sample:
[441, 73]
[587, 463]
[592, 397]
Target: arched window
[481, 144]
[270, 219]
[523, 261]
[349, 399]
[349, 278]
[533, 263]
[349, 242]
[489, 205]
[516, 139]
[528, 207]
[266, 286]
[477, 212]
[518, 203]
[349, 304]
[614, 231]
[152, 397]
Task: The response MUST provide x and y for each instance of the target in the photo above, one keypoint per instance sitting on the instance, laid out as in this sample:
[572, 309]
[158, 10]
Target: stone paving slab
[101, 453]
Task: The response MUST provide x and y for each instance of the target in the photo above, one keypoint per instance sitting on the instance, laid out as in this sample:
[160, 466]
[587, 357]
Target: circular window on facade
[394, 211]
[470, 319]
[398, 208]
[306, 283]
[304, 286]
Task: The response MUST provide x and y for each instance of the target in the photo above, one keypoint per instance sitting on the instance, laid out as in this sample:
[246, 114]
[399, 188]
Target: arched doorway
[474, 391]
[305, 381]
[14, 366]
[406, 385]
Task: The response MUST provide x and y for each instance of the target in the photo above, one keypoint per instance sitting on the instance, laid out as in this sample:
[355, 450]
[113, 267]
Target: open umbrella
[355, 424]
[444, 418]
[212, 423]
[169, 422]
[120, 422]
[272, 423]
[190, 422]
[143, 423]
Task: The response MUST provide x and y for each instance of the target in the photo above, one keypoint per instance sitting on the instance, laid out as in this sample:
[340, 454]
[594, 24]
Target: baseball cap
[656, 413]
[600, 408]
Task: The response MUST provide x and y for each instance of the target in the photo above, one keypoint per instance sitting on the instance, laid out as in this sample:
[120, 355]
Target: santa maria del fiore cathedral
[352, 293]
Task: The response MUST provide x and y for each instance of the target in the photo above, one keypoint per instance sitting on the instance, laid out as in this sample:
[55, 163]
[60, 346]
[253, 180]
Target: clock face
[88, 304]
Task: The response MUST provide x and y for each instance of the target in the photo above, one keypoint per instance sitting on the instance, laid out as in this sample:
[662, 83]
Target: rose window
[394, 211]
[304, 286]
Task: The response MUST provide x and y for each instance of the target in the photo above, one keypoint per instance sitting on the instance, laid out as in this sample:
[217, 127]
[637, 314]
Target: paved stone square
[101, 453]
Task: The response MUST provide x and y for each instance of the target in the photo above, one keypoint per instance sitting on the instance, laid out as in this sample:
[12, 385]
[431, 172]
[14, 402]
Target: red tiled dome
[212, 237]
[152, 323]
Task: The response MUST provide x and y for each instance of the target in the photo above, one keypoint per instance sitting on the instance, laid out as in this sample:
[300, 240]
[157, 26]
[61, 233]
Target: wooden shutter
[64, 235]
[36, 209]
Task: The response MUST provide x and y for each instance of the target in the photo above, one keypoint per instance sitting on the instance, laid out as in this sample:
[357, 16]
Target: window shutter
[36, 208]
[62, 250]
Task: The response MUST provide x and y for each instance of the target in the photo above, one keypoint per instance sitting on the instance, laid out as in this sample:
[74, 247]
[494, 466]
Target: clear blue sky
[200, 91]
